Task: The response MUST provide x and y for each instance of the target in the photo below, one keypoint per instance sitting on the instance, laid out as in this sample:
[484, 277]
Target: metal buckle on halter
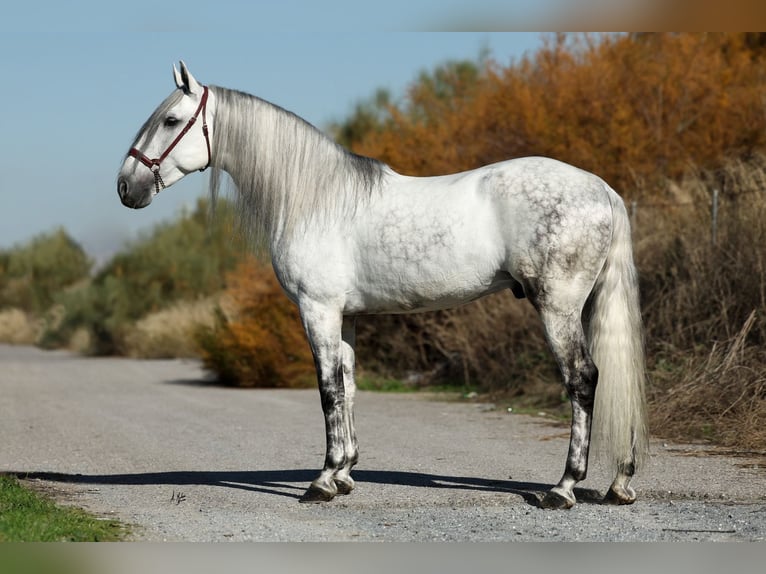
[207, 138]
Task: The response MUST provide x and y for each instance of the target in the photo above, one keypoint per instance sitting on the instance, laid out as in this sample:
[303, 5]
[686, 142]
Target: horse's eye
[170, 122]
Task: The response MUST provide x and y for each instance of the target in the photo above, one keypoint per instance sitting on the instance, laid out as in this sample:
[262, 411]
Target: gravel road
[150, 443]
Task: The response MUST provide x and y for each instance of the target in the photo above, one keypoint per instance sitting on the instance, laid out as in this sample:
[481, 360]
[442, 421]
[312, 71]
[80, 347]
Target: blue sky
[79, 78]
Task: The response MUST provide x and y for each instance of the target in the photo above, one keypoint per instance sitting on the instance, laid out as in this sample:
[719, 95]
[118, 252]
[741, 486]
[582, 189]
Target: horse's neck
[258, 154]
[288, 172]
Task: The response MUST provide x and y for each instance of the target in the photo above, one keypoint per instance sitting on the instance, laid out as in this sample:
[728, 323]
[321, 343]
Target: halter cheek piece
[154, 164]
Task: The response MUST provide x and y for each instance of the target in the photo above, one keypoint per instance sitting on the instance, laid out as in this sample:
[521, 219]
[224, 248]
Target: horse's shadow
[291, 483]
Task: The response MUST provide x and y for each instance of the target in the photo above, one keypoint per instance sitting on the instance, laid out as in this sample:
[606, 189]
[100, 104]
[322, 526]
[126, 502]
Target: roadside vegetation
[666, 119]
[26, 516]
[176, 269]
[259, 341]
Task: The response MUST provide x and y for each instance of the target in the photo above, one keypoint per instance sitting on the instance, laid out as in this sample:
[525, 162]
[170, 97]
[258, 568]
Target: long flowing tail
[615, 333]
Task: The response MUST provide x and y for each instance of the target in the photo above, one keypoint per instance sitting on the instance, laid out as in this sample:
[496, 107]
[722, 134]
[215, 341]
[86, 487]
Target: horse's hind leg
[567, 341]
[620, 492]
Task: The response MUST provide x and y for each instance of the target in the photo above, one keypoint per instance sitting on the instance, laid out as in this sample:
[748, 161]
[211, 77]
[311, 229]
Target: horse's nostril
[122, 188]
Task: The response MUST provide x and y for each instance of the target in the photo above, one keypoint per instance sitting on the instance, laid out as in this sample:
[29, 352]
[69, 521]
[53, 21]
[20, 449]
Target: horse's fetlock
[579, 474]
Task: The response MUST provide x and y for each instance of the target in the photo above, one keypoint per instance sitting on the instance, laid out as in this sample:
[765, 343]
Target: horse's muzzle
[132, 200]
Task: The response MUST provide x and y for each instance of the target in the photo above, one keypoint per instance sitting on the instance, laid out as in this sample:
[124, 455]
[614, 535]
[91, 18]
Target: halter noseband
[154, 164]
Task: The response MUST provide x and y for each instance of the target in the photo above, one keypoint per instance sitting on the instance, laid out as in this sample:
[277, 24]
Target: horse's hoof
[314, 494]
[620, 496]
[344, 486]
[555, 501]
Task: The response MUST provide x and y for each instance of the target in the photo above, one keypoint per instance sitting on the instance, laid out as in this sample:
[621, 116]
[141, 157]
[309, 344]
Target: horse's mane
[285, 170]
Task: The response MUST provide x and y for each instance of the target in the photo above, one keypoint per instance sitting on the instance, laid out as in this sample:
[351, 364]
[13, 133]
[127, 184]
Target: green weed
[26, 516]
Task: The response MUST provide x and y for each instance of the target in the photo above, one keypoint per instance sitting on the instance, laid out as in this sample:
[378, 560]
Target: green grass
[26, 516]
[372, 382]
[369, 382]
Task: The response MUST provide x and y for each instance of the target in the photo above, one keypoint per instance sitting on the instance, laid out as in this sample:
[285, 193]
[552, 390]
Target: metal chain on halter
[157, 178]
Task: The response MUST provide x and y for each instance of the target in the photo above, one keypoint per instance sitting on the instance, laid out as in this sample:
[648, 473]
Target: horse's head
[174, 141]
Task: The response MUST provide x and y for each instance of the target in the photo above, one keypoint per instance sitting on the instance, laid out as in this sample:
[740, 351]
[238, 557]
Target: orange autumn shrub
[638, 110]
[258, 339]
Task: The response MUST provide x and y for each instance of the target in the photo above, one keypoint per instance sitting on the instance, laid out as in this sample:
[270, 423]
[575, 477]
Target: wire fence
[717, 206]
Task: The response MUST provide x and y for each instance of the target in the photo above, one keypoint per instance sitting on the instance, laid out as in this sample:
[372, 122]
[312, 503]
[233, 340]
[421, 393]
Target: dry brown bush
[170, 332]
[719, 397]
[704, 306]
[18, 327]
[495, 344]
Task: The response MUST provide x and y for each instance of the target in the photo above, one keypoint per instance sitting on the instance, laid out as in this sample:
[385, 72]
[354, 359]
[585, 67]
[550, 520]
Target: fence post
[714, 218]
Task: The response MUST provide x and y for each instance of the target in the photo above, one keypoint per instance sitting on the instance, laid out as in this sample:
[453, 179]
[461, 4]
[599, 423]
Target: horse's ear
[188, 83]
[177, 77]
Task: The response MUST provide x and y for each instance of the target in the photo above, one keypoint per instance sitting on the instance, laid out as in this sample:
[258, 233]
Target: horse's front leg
[342, 478]
[323, 328]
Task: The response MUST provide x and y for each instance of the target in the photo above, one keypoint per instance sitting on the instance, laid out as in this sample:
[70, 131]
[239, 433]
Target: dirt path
[149, 443]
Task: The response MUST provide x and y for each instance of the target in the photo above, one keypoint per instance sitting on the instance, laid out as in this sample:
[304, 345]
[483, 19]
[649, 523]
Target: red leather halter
[154, 164]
